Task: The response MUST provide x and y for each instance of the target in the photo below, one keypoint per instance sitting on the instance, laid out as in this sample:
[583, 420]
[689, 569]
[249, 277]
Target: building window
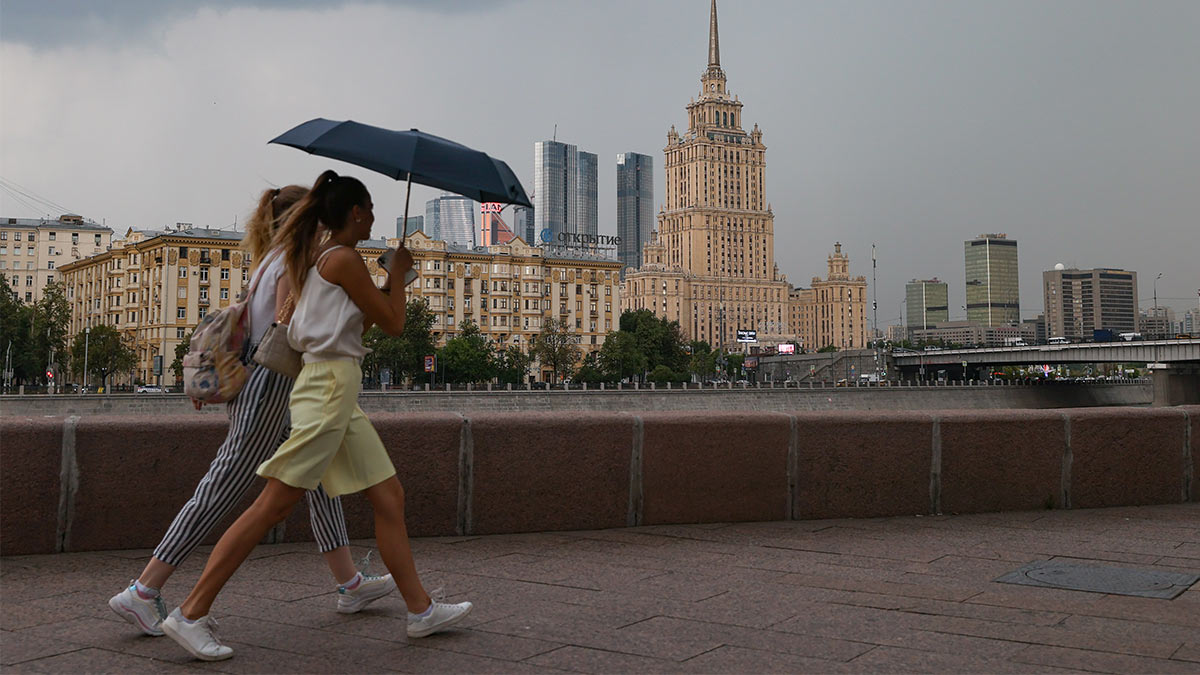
[204, 294]
[225, 273]
[97, 240]
[182, 272]
[243, 276]
[50, 265]
[203, 274]
[16, 236]
[3, 236]
[224, 293]
[52, 235]
[29, 297]
[180, 333]
[181, 313]
[29, 281]
[203, 313]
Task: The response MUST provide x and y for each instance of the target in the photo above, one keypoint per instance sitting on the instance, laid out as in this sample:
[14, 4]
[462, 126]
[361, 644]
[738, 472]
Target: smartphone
[385, 262]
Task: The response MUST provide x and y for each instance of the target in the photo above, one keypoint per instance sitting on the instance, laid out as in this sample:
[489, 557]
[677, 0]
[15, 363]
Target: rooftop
[869, 595]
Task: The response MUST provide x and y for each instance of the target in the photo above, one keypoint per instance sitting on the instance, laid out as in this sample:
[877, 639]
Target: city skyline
[911, 127]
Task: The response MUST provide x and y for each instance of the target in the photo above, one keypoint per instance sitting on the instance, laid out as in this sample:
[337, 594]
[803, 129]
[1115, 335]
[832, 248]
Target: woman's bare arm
[346, 268]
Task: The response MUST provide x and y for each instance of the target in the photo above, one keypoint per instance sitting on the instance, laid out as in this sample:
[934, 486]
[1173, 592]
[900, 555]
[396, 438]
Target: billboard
[786, 348]
[747, 335]
[750, 362]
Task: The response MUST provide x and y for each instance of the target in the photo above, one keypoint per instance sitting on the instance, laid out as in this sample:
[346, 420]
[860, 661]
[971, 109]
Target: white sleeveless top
[326, 325]
[262, 303]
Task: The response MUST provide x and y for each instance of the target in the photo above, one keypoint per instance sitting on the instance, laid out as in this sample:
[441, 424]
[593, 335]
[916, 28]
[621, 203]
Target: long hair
[328, 203]
[267, 217]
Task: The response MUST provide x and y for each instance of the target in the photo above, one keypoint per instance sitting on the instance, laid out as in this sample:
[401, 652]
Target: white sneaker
[368, 590]
[145, 614]
[442, 616]
[198, 637]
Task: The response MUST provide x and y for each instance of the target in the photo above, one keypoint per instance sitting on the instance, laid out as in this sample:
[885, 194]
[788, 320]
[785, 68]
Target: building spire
[714, 45]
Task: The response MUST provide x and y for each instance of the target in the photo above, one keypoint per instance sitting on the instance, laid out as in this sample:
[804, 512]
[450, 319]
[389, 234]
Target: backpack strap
[261, 272]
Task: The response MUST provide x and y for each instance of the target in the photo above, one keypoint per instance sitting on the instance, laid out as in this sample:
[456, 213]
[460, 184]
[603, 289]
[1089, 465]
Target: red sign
[49, 375]
[430, 364]
[786, 348]
[490, 207]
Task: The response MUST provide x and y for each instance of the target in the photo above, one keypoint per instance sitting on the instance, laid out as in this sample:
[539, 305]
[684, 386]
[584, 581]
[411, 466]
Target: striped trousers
[258, 424]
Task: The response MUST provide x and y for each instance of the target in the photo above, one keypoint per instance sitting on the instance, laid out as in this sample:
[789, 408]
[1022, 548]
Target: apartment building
[34, 250]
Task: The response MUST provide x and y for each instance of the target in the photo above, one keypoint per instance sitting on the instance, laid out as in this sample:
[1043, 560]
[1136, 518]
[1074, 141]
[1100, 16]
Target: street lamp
[1156, 323]
[87, 334]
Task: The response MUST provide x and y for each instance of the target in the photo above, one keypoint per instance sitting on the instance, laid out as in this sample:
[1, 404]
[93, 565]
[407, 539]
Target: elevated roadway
[1175, 363]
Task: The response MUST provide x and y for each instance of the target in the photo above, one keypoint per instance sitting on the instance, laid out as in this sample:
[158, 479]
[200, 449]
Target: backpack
[214, 369]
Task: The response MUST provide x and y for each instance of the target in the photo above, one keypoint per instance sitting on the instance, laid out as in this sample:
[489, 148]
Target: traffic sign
[49, 374]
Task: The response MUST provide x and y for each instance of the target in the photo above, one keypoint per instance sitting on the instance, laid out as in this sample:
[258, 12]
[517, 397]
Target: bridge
[1175, 363]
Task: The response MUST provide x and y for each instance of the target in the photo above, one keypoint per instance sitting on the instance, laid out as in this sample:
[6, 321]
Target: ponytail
[328, 203]
[267, 216]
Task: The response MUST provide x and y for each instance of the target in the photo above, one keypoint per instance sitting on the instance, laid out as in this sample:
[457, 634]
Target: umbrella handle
[404, 230]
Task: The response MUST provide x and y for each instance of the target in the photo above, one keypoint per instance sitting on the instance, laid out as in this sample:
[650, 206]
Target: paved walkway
[884, 595]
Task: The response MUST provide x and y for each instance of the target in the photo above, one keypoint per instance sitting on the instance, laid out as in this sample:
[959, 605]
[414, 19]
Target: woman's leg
[272, 506]
[258, 417]
[391, 536]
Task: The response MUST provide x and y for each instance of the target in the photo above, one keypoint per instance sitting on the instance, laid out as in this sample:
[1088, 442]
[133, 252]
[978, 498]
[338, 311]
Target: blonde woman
[258, 423]
[332, 443]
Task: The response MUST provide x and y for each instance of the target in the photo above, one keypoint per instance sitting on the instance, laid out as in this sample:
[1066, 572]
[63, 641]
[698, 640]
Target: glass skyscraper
[993, 294]
[523, 225]
[451, 218]
[415, 224]
[589, 221]
[927, 303]
[635, 206]
[564, 191]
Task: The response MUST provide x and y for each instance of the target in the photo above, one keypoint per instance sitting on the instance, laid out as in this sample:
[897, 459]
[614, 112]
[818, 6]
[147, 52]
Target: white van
[1058, 341]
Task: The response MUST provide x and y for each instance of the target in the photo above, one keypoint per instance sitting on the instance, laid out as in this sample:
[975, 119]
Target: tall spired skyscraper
[711, 263]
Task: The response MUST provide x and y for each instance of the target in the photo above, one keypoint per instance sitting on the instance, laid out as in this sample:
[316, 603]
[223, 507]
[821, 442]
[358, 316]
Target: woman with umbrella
[332, 442]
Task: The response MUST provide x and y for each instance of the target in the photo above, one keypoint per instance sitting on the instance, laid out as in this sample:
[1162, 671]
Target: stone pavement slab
[914, 594]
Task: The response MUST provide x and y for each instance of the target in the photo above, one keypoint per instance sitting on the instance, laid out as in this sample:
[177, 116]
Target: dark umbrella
[411, 155]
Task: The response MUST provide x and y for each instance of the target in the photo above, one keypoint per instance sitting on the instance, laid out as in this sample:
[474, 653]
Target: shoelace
[211, 625]
[161, 608]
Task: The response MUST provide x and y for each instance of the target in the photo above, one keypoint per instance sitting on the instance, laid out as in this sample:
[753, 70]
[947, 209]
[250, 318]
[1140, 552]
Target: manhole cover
[1101, 579]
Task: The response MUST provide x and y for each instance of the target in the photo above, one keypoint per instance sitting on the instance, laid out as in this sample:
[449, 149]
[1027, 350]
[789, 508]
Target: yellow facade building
[510, 290]
[711, 263]
[155, 286]
[834, 311]
[33, 251]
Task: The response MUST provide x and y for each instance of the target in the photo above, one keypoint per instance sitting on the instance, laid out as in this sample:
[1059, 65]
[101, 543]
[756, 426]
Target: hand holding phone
[394, 257]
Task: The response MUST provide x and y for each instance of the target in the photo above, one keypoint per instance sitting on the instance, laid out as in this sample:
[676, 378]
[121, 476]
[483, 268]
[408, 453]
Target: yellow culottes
[332, 442]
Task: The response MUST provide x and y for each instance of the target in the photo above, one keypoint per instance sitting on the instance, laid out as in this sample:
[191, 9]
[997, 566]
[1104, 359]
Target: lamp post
[87, 334]
[1156, 324]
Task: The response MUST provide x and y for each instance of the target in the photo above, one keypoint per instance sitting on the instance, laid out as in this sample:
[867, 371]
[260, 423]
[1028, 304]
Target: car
[149, 389]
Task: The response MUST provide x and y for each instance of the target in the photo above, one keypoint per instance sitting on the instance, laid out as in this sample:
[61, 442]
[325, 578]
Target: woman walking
[332, 443]
[258, 424]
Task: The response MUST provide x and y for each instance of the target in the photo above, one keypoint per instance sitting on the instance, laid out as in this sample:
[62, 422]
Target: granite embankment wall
[926, 397]
[65, 480]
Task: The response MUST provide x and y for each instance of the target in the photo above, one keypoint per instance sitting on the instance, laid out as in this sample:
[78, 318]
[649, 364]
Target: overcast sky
[1072, 126]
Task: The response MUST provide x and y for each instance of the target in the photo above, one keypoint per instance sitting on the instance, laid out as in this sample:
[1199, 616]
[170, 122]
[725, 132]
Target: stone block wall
[64, 483]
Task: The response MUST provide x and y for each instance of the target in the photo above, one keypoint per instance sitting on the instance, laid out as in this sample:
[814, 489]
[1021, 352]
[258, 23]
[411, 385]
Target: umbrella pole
[404, 231]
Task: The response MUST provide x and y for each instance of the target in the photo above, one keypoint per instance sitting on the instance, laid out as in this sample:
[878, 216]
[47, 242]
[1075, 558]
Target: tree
[591, 371]
[181, 351]
[468, 356]
[827, 349]
[733, 365]
[15, 334]
[512, 365]
[661, 341]
[404, 354]
[662, 374]
[556, 347]
[703, 362]
[107, 352]
[621, 356]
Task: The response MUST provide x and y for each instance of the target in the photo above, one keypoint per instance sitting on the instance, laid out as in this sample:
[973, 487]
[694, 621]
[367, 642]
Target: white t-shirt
[262, 303]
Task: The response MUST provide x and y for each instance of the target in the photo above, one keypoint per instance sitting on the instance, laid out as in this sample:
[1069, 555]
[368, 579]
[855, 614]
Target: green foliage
[403, 355]
[621, 356]
[556, 347]
[181, 351]
[107, 352]
[659, 340]
[827, 349]
[733, 365]
[662, 374]
[36, 333]
[703, 361]
[591, 372]
[469, 356]
[512, 365]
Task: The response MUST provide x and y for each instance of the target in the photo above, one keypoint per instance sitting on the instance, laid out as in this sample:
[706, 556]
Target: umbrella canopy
[411, 155]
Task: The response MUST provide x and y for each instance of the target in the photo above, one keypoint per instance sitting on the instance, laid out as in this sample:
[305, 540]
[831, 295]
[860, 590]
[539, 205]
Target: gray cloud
[918, 125]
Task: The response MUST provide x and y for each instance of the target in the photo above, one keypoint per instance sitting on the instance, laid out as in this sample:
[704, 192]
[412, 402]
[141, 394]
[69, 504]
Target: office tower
[524, 226]
[564, 191]
[589, 222]
[993, 293]
[451, 218]
[415, 224]
[635, 206]
[926, 303]
[1081, 301]
[711, 263]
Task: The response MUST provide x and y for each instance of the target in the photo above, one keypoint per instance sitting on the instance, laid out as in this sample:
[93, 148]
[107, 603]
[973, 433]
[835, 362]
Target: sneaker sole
[132, 617]
[443, 626]
[184, 643]
[360, 604]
